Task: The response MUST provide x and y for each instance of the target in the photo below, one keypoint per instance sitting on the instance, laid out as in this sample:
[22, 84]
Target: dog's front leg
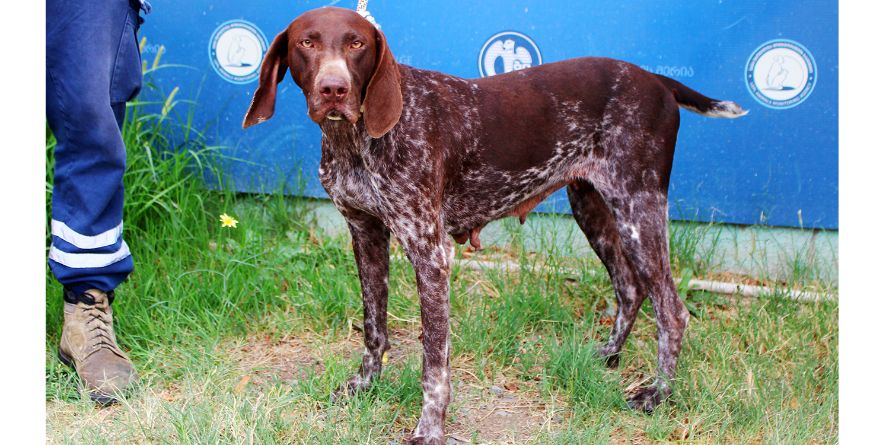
[371, 240]
[430, 253]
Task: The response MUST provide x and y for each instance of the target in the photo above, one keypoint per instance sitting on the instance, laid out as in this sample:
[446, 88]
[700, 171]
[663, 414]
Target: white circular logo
[781, 74]
[236, 49]
[507, 51]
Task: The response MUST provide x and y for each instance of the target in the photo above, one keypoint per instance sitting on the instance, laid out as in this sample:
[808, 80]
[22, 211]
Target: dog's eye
[356, 44]
[307, 43]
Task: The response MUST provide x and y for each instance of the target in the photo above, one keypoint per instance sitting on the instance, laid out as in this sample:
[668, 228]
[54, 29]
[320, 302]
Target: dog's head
[342, 64]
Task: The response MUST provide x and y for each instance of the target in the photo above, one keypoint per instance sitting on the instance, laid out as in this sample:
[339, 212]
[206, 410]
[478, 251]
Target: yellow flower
[228, 221]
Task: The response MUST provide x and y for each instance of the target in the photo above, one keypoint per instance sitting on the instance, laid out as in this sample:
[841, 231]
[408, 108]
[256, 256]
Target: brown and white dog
[424, 156]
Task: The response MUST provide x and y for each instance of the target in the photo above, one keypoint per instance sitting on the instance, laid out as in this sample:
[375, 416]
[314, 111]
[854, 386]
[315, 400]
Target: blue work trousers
[93, 67]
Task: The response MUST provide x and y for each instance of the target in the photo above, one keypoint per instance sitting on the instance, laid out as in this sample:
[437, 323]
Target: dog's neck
[343, 137]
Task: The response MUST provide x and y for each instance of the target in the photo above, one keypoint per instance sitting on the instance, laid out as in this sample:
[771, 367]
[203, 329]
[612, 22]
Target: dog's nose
[333, 88]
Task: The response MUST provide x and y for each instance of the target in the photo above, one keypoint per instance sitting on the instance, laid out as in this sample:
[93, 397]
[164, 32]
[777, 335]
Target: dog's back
[506, 142]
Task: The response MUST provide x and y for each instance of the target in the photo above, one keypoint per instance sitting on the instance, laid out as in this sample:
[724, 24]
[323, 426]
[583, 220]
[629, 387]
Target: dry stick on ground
[719, 287]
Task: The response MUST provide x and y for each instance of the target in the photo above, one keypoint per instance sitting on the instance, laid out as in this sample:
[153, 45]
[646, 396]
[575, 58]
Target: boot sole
[101, 399]
[62, 357]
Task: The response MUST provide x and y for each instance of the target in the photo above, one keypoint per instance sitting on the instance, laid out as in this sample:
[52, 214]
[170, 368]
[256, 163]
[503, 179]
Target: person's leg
[92, 68]
[91, 52]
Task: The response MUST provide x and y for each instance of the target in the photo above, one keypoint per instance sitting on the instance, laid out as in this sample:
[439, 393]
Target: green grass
[240, 335]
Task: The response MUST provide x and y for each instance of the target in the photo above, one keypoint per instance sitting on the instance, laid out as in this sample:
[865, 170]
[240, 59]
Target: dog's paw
[609, 355]
[338, 395]
[354, 385]
[420, 440]
[648, 397]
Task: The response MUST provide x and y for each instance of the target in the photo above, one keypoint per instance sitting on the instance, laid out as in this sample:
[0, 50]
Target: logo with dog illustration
[781, 74]
[236, 49]
[508, 51]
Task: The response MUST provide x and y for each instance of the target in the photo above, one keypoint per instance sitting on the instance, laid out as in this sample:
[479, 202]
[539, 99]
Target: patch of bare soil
[262, 359]
[509, 412]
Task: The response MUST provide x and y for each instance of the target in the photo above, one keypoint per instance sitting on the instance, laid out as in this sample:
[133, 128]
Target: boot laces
[100, 333]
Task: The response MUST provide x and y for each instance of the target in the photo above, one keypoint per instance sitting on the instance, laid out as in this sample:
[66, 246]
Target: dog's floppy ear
[383, 103]
[273, 69]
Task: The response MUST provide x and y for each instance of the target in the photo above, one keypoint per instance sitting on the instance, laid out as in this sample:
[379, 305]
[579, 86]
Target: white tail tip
[726, 109]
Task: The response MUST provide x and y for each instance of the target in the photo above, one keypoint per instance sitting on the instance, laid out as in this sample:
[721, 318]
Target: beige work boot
[89, 345]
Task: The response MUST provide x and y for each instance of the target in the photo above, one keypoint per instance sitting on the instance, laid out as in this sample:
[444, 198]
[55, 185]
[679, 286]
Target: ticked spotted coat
[428, 158]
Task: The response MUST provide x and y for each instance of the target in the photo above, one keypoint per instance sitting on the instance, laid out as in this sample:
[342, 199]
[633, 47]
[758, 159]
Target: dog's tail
[699, 103]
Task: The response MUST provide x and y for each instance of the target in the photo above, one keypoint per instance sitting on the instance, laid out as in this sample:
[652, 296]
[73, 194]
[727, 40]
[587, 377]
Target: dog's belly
[472, 204]
[491, 184]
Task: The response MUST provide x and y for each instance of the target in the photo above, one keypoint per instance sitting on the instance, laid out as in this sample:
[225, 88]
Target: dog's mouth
[334, 112]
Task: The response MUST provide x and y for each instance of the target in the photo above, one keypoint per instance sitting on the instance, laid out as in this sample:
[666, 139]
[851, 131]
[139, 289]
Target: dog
[428, 158]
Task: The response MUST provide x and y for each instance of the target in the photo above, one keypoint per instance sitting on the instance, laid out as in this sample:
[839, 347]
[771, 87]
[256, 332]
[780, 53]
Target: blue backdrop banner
[776, 166]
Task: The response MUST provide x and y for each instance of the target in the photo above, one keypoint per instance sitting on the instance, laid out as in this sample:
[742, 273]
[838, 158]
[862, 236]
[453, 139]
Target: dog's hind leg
[598, 224]
[642, 224]
[371, 241]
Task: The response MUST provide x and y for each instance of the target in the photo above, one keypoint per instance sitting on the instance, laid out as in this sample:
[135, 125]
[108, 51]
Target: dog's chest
[348, 183]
